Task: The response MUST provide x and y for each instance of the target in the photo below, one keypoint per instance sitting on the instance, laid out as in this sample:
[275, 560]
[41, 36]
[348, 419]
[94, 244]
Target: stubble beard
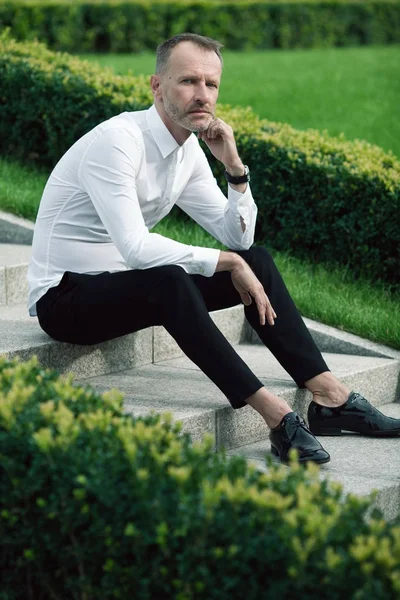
[184, 119]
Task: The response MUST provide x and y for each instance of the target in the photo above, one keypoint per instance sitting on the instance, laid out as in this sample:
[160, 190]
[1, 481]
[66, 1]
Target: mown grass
[21, 188]
[326, 295]
[351, 90]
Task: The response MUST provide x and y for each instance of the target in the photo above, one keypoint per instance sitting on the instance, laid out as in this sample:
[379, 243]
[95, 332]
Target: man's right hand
[247, 284]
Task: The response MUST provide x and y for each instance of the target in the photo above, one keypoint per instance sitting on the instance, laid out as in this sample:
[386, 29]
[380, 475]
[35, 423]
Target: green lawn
[321, 294]
[20, 188]
[351, 90]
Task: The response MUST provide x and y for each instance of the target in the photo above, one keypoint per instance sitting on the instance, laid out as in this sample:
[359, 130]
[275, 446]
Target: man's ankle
[327, 390]
[270, 407]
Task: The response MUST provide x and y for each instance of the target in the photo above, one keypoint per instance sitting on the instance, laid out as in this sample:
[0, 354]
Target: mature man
[98, 273]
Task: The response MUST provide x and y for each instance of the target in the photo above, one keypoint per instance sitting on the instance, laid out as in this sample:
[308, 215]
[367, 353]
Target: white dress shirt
[116, 183]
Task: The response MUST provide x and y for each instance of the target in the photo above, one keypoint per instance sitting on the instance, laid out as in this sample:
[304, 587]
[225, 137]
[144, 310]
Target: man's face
[189, 87]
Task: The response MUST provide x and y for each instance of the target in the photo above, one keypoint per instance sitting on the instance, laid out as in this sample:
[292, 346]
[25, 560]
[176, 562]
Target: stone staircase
[150, 369]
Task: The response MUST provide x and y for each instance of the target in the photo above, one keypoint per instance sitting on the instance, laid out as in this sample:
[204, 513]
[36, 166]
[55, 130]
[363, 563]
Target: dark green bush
[97, 505]
[320, 197]
[48, 100]
[324, 198]
[133, 26]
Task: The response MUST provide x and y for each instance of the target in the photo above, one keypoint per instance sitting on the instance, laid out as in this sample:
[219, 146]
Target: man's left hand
[220, 139]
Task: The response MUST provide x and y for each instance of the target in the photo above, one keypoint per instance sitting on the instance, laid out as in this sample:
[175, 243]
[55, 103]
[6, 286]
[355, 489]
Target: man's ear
[155, 82]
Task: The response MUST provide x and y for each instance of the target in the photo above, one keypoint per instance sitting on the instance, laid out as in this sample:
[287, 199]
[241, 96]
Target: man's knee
[256, 256]
[172, 276]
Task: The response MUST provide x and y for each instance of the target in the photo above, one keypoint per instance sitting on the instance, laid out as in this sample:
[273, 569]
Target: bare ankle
[327, 390]
[270, 407]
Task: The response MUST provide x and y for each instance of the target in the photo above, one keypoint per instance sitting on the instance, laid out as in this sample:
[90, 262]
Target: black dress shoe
[292, 432]
[356, 415]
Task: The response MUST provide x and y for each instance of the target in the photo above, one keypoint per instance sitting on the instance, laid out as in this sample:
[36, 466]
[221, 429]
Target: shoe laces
[296, 424]
[358, 397]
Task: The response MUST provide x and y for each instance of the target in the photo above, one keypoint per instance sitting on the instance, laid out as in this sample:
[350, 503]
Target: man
[98, 273]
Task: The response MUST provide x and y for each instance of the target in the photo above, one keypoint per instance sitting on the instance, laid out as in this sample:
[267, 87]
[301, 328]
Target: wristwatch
[240, 179]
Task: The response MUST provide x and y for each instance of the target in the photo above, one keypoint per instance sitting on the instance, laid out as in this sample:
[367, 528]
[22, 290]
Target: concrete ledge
[3, 295]
[14, 260]
[21, 335]
[330, 339]
[16, 284]
[377, 378]
[14, 230]
[178, 386]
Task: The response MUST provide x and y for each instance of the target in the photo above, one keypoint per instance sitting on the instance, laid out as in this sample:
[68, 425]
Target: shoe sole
[333, 431]
[322, 461]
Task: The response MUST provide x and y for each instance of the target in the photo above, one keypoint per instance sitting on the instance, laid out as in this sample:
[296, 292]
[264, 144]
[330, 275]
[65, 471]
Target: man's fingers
[248, 286]
[265, 310]
[213, 129]
[270, 315]
[218, 128]
[246, 298]
[261, 306]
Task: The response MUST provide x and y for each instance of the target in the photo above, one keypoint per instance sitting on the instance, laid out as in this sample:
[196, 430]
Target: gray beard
[181, 118]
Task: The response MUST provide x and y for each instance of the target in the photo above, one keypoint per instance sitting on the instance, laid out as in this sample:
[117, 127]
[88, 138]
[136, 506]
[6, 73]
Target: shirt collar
[165, 141]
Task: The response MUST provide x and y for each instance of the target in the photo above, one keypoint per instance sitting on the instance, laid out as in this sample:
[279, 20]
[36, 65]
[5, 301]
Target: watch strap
[235, 180]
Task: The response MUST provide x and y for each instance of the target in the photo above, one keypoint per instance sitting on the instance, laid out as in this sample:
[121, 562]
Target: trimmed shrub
[133, 26]
[98, 505]
[321, 197]
[49, 100]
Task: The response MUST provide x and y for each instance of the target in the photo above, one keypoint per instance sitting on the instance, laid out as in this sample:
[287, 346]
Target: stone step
[15, 230]
[21, 335]
[14, 260]
[359, 463]
[179, 387]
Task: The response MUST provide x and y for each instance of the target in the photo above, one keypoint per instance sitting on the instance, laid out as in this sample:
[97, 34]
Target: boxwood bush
[323, 198]
[97, 505]
[133, 26]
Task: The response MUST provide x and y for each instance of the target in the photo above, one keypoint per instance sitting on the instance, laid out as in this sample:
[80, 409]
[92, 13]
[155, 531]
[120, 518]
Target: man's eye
[213, 85]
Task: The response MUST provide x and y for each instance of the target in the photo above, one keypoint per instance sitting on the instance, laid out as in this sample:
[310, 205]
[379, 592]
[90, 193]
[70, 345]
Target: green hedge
[96, 505]
[321, 197]
[133, 26]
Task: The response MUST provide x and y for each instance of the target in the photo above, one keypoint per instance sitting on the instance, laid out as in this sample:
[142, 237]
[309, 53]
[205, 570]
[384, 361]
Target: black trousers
[89, 309]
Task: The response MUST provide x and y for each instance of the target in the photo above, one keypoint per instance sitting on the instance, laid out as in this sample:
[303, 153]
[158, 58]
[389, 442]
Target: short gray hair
[164, 50]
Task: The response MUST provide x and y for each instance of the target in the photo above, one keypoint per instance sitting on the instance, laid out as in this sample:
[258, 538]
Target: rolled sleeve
[204, 261]
[244, 206]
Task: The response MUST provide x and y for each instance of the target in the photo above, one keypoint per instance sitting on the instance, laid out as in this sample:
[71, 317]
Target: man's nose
[201, 92]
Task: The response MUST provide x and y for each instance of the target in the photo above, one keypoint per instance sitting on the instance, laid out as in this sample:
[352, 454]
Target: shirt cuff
[204, 261]
[243, 203]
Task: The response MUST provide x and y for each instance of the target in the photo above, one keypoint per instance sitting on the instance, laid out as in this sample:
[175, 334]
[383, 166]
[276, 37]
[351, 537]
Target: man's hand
[220, 139]
[247, 284]
[249, 287]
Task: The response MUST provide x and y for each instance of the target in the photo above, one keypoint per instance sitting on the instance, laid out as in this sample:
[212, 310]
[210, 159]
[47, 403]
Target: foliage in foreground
[97, 505]
[323, 198]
